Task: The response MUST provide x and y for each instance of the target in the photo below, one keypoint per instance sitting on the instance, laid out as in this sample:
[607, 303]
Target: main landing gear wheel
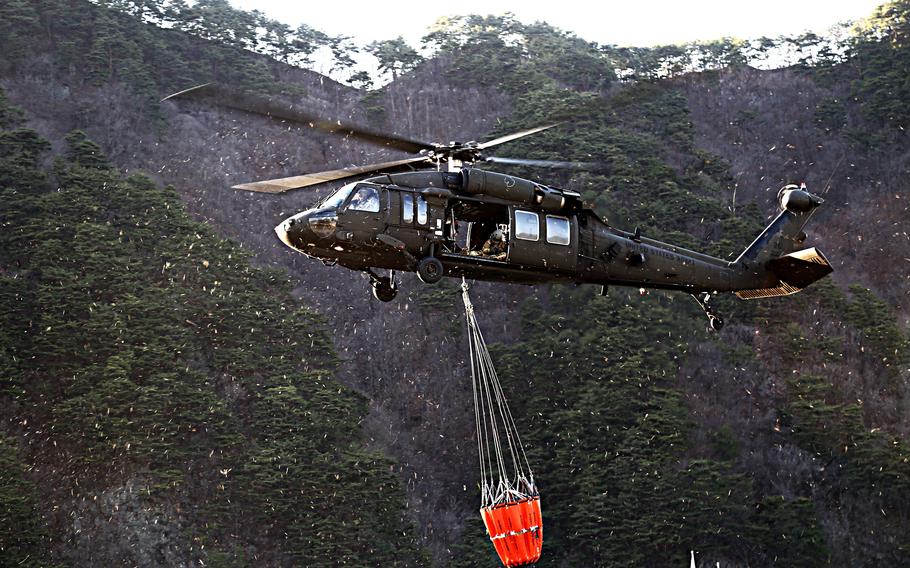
[715, 321]
[429, 270]
[385, 288]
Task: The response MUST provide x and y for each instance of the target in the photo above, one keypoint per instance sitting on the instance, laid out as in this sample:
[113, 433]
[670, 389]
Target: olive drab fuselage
[394, 221]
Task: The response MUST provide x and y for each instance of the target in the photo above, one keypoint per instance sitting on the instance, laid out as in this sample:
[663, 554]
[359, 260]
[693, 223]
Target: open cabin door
[543, 240]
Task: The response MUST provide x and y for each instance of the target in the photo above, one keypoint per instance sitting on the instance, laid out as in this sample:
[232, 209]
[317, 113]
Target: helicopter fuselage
[393, 221]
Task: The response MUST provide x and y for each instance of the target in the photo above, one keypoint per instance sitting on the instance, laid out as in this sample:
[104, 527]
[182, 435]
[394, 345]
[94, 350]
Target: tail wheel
[429, 270]
[716, 323]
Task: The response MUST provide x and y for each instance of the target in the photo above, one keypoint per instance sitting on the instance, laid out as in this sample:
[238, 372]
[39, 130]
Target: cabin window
[421, 210]
[558, 230]
[407, 208]
[366, 199]
[527, 226]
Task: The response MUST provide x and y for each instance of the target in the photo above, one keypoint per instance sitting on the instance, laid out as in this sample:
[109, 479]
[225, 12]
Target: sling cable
[509, 501]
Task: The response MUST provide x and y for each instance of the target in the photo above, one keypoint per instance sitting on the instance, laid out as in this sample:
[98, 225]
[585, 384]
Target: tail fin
[775, 253]
[785, 234]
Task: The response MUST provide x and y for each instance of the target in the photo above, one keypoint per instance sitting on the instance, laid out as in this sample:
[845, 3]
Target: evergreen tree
[19, 24]
[881, 55]
[24, 540]
[395, 56]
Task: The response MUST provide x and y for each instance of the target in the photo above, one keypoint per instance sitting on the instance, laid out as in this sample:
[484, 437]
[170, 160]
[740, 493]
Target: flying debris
[510, 503]
[461, 221]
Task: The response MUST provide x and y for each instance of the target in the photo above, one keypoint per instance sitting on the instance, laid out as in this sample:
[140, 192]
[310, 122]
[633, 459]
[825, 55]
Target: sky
[625, 23]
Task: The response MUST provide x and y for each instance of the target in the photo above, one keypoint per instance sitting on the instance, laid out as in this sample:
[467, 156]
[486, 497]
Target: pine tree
[395, 56]
[19, 24]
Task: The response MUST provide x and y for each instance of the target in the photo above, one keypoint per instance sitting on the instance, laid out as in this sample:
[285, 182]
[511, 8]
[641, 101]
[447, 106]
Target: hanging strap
[504, 469]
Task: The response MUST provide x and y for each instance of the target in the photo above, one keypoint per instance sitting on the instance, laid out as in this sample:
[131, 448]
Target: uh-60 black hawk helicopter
[456, 220]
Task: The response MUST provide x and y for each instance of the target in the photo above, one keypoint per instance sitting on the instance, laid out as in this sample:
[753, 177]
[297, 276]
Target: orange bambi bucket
[516, 529]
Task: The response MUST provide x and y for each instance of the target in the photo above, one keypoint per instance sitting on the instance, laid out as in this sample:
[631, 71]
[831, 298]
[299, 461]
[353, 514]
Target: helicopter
[456, 220]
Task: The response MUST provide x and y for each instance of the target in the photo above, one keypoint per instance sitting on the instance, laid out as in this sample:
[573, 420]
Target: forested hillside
[148, 366]
[165, 402]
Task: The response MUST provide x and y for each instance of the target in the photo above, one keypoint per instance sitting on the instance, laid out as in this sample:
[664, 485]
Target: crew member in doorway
[495, 246]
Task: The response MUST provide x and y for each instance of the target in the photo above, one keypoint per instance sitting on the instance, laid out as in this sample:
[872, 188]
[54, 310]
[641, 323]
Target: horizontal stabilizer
[802, 267]
[783, 290]
[795, 271]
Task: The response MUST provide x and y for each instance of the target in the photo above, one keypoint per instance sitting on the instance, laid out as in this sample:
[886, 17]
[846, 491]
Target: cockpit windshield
[336, 199]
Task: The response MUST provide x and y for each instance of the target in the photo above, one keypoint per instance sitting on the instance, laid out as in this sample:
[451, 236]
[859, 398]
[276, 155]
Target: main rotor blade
[281, 185]
[587, 166]
[276, 109]
[515, 136]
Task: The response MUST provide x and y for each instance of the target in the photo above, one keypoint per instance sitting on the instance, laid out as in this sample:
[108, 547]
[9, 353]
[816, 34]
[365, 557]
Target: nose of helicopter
[289, 230]
[307, 227]
[282, 231]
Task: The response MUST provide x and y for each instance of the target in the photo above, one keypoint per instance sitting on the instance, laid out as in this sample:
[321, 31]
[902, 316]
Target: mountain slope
[781, 440]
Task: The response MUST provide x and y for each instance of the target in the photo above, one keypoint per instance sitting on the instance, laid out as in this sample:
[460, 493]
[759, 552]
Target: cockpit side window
[366, 199]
